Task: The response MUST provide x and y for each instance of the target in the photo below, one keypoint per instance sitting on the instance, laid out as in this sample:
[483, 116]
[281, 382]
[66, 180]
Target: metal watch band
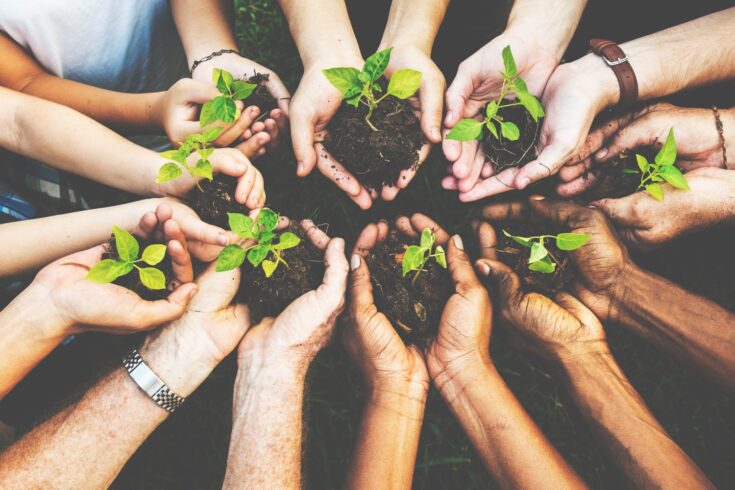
[151, 384]
[617, 60]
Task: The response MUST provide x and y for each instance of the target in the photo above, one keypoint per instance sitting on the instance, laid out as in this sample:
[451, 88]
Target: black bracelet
[721, 131]
[212, 56]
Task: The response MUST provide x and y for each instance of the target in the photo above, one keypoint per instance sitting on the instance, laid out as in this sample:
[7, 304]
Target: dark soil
[261, 97]
[506, 153]
[516, 256]
[414, 308]
[269, 296]
[132, 280]
[216, 199]
[376, 158]
[613, 181]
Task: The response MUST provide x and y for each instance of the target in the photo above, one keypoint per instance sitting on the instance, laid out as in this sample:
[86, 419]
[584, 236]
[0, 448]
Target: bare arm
[414, 23]
[203, 26]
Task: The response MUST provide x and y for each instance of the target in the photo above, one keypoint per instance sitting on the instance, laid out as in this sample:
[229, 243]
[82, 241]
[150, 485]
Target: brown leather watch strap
[618, 61]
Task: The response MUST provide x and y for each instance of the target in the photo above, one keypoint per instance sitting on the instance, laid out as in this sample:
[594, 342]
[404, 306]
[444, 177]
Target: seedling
[360, 86]
[469, 129]
[541, 260]
[662, 169]
[108, 270]
[416, 256]
[223, 107]
[194, 143]
[262, 231]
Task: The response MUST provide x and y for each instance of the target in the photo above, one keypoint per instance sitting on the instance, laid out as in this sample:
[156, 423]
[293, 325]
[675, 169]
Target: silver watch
[151, 384]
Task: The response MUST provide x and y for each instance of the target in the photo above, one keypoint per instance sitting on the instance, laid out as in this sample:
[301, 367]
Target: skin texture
[269, 389]
[687, 326]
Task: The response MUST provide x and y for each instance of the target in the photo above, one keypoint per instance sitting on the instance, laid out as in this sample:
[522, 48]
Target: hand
[292, 340]
[601, 264]
[479, 81]
[697, 141]
[314, 104]
[556, 329]
[645, 223]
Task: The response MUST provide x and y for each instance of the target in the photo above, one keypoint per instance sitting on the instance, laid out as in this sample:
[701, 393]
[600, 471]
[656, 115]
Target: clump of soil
[132, 280]
[260, 96]
[216, 199]
[376, 158]
[505, 153]
[613, 180]
[516, 256]
[269, 296]
[413, 307]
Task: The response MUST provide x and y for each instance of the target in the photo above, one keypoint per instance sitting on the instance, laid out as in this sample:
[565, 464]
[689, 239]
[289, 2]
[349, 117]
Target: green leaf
[242, 225]
[242, 90]
[571, 241]
[427, 239]
[231, 257]
[509, 62]
[404, 83]
[538, 252]
[466, 130]
[354, 101]
[526, 242]
[286, 241]
[223, 79]
[413, 259]
[531, 103]
[106, 271]
[667, 154]
[175, 155]
[153, 254]
[168, 172]
[257, 254]
[545, 266]
[491, 110]
[207, 116]
[126, 244]
[490, 125]
[205, 153]
[345, 80]
[440, 256]
[630, 171]
[673, 176]
[266, 237]
[376, 64]
[152, 278]
[656, 191]
[364, 77]
[510, 130]
[642, 163]
[518, 85]
[202, 169]
[211, 134]
[268, 219]
[224, 109]
[269, 267]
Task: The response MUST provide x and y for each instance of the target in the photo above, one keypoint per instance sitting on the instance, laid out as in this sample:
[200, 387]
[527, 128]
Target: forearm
[321, 38]
[38, 242]
[554, 22]
[627, 429]
[265, 446]
[388, 439]
[513, 448]
[414, 23]
[686, 325]
[203, 26]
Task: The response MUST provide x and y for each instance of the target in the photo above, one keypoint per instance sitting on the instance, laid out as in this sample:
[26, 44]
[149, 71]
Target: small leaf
[242, 90]
[545, 266]
[656, 191]
[126, 245]
[571, 241]
[175, 155]
[257, 254]
[106, 271]
[538, 252]
[509, 62]
[211, 134]
[673, 176]
[364, 77]
[404, 83]
[667, 153]
[531, 103]
[168, 172]
[266, 237]
[152, 278]
[510, 130]
[223, 79]
[202, 169]
[440, 256]
[413, 259]
[492, 128]
[466, 130]
[346, 80]
[269, 267]
[427, 239]
[268, 219]
[376, 64]
[207, 115]
[526, 242]
[286, 241]
[354, 101]
[231, 257]
[205, 153]
[224, 109]
[642, 162]
[242, 225]
[153, 254]
[491, 110]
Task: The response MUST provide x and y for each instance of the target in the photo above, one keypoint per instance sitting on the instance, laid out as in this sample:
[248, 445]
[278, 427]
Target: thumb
[506, 284]
[216, 289]
[199, 92]
[577, 309]
[618, 210]
[642, 132]
[302, 138]
[456, 97]
[547, 163]
[430, 96]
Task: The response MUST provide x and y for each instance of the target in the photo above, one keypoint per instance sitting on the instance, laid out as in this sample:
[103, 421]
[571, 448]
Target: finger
[457, 95]
[335, 172]
[548, 162]
[235, 131]
[488, 240]
[332, 290]
[488, 169]
[183, 270]
[620, 211]
[302, 139]
[474, 174]
[144, 315]
[577, 186]
[199, 92]
[463, 164]
[403, 225]
[361, 288]
[383, 230]
[562, 213]
[599, 135]
[278, 90]
[245, 184]
[316, 235]
[147, 224]
[460, 267]
[230, 163]
[569, 173]
[272, 129]
[251, 146]
[367, 239]
[450, 183]
[281, 119]
[644, 131]
[577, 309]
[452, 148]
[506, 211]
[506, 284]
[431, 97]
[420, 222]
[197, 230]
[257, 193]
[216, 289]
[497, 184]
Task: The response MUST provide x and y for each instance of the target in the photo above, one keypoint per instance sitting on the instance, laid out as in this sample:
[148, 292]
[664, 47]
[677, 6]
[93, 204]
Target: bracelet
[151, 384]
[721, 131]
[212, 56]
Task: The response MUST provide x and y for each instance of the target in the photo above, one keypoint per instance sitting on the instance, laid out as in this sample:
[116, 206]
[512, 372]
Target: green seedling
[194, 143]
[263, 232]
[223, 107]
[416, 256]
[662, 169]
[108, 270]
[541, 260]
[361, 86]
[469, 129]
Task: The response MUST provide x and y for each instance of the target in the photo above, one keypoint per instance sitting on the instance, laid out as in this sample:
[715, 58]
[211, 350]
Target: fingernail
[340, 245]
[537, 197]
[592, 206]
[601, 153]
[450, 116]
[435, 133]
[483, 268]
[458, 242]
[354, 262]
[300, 168]
[222, 239]
[524, 182]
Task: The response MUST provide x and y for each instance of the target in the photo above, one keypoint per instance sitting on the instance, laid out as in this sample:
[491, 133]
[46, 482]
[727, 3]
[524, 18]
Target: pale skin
[569, 335]
[690, 327]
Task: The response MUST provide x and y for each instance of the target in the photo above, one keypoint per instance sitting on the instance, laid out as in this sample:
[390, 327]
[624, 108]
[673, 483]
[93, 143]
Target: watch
[150, 383]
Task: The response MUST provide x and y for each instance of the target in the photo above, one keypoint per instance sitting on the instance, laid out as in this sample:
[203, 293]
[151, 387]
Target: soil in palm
[505, 153]
[132, 280]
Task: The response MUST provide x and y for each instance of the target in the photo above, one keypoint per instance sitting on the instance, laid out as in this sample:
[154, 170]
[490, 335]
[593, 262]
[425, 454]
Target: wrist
[554, 22]
[451, 380]
[320, 60]
[259, 366]
[594, 365]
[37, 319]
[626, 290]
[596, 75]
[405, 400]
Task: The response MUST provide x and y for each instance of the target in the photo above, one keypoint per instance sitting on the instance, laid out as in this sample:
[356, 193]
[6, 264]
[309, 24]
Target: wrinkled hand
[479, 81]
[697, 142]
[554, 329]
[645, 223]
